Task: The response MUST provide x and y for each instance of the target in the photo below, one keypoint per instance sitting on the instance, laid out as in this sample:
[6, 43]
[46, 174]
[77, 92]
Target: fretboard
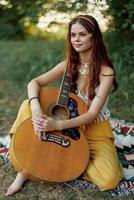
[64, 91]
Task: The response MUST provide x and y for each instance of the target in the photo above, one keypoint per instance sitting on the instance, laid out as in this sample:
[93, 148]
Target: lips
[77, 45]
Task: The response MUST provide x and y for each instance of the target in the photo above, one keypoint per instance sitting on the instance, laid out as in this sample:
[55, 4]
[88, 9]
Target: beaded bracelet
[29, 101]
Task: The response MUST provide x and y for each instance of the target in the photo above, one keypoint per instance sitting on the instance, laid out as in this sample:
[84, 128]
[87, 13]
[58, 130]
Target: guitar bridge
[56, 139]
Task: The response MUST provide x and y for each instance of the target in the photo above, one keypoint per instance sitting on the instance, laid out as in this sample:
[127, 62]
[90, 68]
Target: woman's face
[80, 38]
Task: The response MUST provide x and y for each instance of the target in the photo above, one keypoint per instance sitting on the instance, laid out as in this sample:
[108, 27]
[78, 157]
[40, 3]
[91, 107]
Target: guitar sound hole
[60, 112]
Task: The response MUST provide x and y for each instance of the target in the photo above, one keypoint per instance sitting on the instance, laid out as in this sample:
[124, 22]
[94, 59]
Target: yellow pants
[104, 168]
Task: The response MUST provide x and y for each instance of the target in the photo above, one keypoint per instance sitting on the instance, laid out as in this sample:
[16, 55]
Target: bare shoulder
[107, 71]
[107, 75]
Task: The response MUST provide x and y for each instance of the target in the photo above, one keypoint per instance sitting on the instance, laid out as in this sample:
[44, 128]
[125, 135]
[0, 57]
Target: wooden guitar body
[61, 155]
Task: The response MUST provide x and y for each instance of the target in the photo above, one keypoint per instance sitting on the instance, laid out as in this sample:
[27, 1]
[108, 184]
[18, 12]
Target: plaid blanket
[124, 142]
[4, 145]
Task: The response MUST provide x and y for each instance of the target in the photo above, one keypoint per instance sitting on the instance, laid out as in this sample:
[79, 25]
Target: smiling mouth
[77, 45]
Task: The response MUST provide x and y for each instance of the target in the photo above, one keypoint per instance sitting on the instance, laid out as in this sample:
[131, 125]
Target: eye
[73, 34]
[83, 34]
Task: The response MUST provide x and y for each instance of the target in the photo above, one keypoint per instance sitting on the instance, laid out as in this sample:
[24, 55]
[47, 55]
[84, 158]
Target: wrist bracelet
[29, 101]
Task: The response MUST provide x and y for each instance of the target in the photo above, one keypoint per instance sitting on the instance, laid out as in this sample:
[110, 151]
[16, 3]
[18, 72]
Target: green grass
[46, 191]
[20, 61]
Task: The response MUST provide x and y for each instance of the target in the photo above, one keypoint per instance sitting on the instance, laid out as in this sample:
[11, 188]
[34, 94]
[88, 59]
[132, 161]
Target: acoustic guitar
[61, 155]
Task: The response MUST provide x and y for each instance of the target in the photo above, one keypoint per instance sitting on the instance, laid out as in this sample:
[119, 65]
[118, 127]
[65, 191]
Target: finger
[40, 129]
[45, 116]
[39, 123]
[39, 134]
[37, 120]
[35, 131]
[40, 126]
[43, 133]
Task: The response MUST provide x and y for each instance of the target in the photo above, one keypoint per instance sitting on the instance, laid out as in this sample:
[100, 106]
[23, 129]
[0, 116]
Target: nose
[77, 38]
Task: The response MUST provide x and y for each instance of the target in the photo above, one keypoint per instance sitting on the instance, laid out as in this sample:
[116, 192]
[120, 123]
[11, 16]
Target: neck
[85, 56]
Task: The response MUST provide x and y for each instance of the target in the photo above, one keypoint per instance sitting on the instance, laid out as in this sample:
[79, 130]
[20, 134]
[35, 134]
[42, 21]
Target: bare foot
[16, 186]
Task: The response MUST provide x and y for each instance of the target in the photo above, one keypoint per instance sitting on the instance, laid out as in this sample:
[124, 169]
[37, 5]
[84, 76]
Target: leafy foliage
[14, 14]
[120, 44]
[122, 13]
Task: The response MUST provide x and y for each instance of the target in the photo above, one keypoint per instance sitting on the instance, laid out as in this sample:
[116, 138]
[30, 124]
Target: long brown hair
[99, 54]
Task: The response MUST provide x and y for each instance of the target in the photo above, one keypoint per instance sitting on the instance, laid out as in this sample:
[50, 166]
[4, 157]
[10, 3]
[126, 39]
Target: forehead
[78, 28]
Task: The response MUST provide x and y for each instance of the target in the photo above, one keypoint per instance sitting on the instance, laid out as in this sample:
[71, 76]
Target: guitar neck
[64, 91]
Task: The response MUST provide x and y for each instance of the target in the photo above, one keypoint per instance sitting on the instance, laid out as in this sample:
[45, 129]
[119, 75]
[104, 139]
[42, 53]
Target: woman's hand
[37, 114]
[45, 123]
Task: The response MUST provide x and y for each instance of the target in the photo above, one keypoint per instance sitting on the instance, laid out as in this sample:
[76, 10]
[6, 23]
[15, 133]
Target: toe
[11, 191]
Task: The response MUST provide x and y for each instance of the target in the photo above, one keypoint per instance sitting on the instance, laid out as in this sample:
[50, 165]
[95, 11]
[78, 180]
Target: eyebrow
[80, 32]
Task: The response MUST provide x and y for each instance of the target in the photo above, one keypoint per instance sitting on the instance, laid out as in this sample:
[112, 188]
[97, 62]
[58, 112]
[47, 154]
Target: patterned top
[104, 113]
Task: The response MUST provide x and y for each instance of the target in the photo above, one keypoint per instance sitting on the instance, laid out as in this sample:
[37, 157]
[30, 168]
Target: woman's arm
[35, 84]
[96, 105]
[33, 90]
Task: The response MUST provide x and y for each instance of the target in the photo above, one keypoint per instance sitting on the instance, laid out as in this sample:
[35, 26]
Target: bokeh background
[32, 41]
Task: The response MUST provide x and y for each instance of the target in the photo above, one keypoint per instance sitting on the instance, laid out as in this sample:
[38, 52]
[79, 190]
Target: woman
[93, 76]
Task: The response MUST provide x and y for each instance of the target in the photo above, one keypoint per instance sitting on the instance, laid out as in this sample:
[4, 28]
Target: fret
[63, 103]
[66, 85]
[64, 91]
[63, 96]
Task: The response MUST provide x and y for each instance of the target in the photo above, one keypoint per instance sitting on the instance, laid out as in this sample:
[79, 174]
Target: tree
[14, 13]
[120, 40]
[122, 13]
